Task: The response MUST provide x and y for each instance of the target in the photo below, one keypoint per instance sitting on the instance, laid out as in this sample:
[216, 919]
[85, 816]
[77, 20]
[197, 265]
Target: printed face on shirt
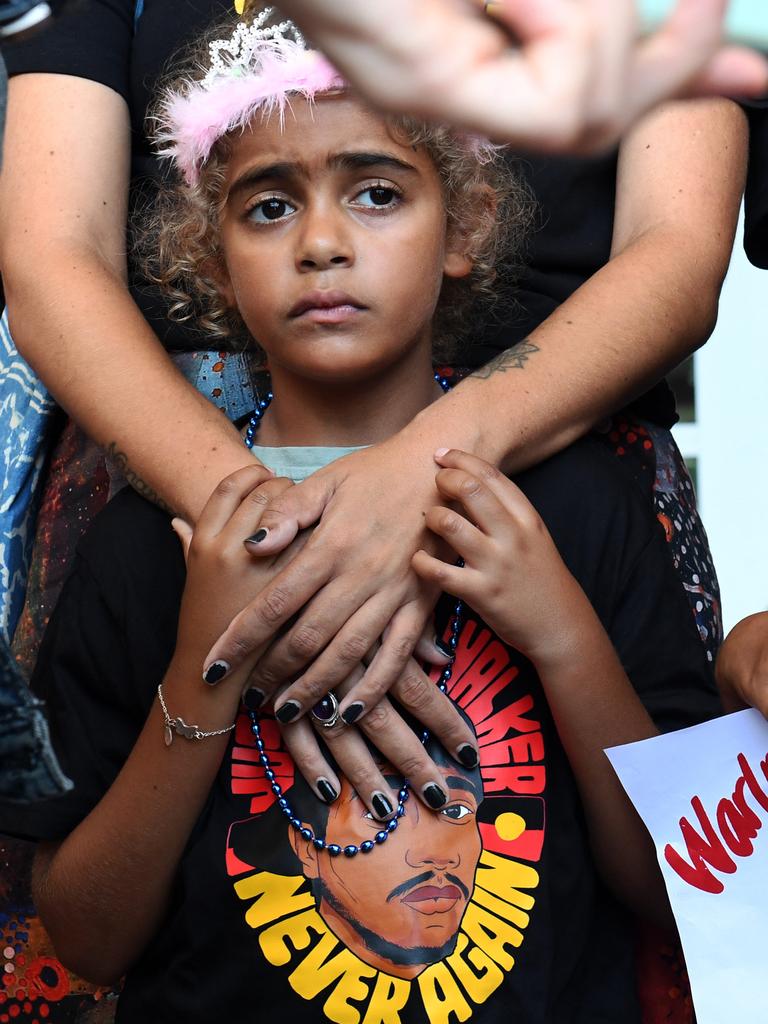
[399, 908]
[335, 242]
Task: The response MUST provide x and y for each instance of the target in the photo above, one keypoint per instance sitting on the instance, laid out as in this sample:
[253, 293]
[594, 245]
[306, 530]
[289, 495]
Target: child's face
[334, 237]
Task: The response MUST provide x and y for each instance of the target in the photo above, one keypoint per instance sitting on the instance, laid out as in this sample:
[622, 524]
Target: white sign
[703, 794]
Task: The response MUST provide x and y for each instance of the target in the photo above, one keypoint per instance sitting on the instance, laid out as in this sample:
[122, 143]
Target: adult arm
[63, 210]
[680, 180]
[579, 74]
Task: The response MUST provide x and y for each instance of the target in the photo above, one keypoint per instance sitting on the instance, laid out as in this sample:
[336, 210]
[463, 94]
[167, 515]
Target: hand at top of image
[577, 77]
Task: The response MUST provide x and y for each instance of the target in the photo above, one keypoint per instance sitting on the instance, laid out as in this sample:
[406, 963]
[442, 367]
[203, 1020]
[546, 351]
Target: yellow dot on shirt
[509, 826]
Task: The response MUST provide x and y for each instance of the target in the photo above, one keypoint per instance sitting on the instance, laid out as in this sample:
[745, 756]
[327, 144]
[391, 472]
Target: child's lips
[331, 314]
[326, 307]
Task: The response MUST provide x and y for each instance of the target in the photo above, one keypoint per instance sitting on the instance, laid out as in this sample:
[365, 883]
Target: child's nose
[324, 242]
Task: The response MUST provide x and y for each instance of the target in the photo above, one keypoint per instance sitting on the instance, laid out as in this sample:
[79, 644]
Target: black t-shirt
[486, 911]
[106, 42]
[756, 199]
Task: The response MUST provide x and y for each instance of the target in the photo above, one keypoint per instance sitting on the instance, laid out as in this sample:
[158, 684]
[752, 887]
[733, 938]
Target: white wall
[730, 439]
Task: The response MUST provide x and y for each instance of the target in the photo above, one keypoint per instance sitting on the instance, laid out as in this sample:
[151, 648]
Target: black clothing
[756, 198]
[246, 936]
[576, 197]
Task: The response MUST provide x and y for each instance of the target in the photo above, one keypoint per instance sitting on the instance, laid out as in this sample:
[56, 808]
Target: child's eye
[456, 812]
[377, 197]
[271, 209]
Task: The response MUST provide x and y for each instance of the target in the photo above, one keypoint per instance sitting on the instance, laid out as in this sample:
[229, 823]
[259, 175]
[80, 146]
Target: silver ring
[326, 711]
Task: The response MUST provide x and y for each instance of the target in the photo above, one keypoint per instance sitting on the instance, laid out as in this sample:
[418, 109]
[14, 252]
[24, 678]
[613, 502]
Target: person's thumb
[184, 532]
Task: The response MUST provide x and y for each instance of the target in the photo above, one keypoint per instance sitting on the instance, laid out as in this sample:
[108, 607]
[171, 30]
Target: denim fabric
[29, 770]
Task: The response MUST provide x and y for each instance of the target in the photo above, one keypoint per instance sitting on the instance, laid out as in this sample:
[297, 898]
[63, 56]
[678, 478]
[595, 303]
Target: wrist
[460, 420]
[575, 637]
[189, 697]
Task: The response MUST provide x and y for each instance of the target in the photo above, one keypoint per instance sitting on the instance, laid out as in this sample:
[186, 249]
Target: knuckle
[412, 765]
[379, 717]
[225, 487]
[305, 642]
[267, 677]
[470, 486]
[489, 473]
[258, 497]
[402, 646]
[354, 648]
[273, 608]
[313, 689]
[415, 691]
[239, 646]
[449, 522]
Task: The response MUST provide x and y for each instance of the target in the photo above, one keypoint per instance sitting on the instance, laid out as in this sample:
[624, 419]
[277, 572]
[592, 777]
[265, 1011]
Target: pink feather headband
[257, 69]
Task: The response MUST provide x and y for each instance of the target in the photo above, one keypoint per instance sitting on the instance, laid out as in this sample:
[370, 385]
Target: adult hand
[577, 76]
[352, 584]
[742, 665]
[240, 500]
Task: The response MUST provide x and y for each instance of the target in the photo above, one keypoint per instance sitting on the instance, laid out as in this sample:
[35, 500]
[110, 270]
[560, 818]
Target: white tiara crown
[234, 56]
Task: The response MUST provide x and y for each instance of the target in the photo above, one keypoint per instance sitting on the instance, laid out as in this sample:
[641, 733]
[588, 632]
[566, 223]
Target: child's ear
[467, 234]
[216, 270]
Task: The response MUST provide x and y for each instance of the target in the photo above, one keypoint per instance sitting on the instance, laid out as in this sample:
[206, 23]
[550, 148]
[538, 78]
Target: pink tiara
[257, 69]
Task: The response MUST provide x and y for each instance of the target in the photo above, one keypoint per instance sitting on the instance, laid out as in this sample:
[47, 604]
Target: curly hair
[487, 204]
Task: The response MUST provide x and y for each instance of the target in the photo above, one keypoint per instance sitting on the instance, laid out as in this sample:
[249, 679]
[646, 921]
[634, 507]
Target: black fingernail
[382, 808]
[253, 698]
[216, 672]
[434, 796]
[258, 537]
[445, 647]
[468, 756]
[353, 712]
[326, 790]
[288, 711]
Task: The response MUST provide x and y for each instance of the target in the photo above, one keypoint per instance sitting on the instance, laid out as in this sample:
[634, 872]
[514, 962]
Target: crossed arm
[680, 180]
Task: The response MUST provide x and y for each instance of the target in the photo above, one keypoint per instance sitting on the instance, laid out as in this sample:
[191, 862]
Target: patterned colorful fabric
[35, 987]
[27, 414]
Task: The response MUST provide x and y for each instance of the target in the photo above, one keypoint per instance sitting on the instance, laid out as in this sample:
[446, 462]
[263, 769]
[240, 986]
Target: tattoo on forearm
[121, 461]
[514, 358]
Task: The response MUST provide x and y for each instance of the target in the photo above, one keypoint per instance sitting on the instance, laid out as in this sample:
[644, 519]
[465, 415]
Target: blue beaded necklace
[336, 849]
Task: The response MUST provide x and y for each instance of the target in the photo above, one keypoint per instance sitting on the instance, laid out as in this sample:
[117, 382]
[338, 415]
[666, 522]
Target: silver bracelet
[180, 727]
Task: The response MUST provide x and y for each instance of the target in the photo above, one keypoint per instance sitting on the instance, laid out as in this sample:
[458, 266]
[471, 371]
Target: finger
[350, 644]
[390, 660]
[245, 521]
[184, 532]
[431, 648]
[497, 510]
[463, 582]
[464, 538]
[508, 493]
[227, 498]
[435, 710]
[614, 33]
[733, 71]
[549, 75]
[294, 510]
[356, 763]
[404, 750]
[301, 742]
[272, 607]
[671, 57]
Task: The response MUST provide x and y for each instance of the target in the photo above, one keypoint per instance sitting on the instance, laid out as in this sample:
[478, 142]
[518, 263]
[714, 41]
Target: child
[190, 855]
